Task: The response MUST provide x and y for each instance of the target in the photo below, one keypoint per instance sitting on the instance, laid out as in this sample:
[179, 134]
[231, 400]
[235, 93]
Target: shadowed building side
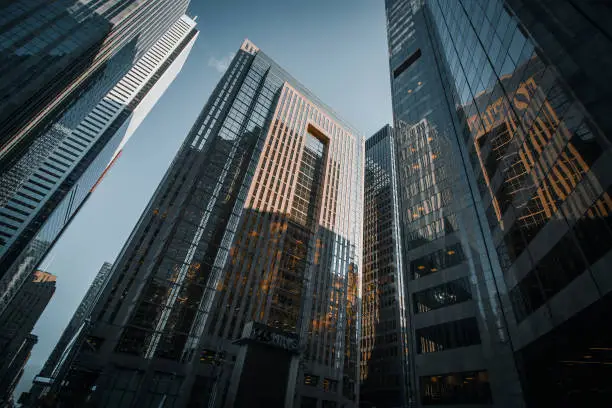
[384, 319]
[257, 220]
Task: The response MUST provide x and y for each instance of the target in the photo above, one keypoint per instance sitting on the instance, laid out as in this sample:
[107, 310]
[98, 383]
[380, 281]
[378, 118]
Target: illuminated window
[456, 388]
[311, 380]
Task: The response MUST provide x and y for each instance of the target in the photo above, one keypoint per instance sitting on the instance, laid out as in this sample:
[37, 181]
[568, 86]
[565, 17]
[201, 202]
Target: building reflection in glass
[540, 162]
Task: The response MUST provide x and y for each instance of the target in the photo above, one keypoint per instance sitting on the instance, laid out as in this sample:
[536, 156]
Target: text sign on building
[272, 337]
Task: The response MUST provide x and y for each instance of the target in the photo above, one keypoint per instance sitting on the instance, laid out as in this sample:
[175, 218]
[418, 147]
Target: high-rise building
[503, 156]
[240, 284]
[384, 318]
[54, 53]
[17, 367]
[44, 189]
[17, 322]
[74, 332]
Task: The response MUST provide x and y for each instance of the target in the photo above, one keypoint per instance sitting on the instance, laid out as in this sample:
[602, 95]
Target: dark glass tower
[46, 184]
[384, 318]
[18, 366]
[458, 350]
[504, 178]
[72, 338]
[246, 257]
[17, 323]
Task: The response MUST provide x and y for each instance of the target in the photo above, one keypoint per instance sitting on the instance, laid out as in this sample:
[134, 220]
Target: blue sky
[336, 48]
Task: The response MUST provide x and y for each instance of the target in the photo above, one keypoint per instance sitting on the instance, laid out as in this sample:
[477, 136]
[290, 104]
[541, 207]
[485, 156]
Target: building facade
[458, 349]
[503, 168]
[53, 51]
[18, 366]
[44, 189]
[17, 323]
[384, 318]
[71, 338]
[257, 220]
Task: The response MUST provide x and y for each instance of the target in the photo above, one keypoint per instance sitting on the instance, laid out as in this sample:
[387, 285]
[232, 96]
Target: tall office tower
[384, 318]
[17, 367]
[520, 112]
[17, 323]
[53, 52]
[240, 284]
[75, 331]
[458, 348]
[44, 189]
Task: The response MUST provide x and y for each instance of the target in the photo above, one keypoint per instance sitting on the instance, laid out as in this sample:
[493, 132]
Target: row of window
[446, 336]
[443, 295]
[456, 389]
[438, 260]
[588, 241]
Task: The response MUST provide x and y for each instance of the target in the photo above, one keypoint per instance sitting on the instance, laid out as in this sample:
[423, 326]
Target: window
[456, 389]
[445, 336]
[308, 402]
[330, 385]
[312, 380]
[211, 357]
[447, 294]
[407, 63]
[444, 258]
[526, 297]
[560, 266]
[594, 229]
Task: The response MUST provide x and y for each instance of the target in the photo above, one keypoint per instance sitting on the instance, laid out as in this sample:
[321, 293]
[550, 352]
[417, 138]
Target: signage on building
[271, 336]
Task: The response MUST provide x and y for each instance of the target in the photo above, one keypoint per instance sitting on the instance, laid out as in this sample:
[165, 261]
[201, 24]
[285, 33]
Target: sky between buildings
[336, 48]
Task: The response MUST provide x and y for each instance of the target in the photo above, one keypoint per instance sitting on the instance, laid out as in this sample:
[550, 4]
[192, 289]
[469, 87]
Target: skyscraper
[17, 323]
[45, 187]
[384, 319]
[247, 255]
[503, 159]
[71, 338]
[53, 51]
[17, 367]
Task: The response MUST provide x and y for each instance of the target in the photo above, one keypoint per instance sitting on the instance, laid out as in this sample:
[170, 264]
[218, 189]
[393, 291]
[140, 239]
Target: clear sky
[336, 48]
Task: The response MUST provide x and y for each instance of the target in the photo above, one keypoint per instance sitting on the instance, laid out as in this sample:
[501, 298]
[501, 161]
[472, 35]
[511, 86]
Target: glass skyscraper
[51, 52]
[71, 339]
[253, 236]
[41, 192]
[503, 155]
[16, 340]
[384, 319]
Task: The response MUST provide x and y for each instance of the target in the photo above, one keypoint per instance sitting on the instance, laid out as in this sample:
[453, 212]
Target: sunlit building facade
[54, 53]
[257, 219]
[42, 191]
[519, 202]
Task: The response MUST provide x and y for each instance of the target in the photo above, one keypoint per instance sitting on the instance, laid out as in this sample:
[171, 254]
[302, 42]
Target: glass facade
[49, 52]
[45, 188]
[17, 322]
[71, 338]
[257, 219]
[520, 111]
[452, 328]
[384, 318]
[535, 139]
